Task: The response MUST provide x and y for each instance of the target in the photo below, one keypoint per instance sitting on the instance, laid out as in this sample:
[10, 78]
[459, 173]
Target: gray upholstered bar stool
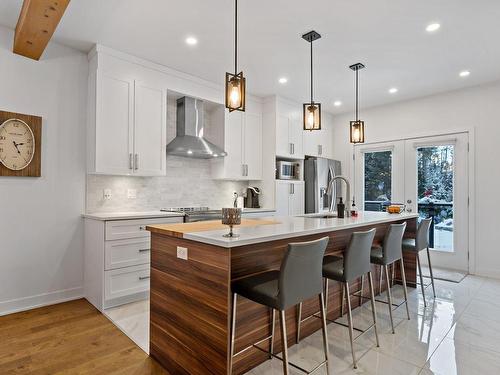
[387, 254]
[299, 278]
[421, 242]
[354, 264]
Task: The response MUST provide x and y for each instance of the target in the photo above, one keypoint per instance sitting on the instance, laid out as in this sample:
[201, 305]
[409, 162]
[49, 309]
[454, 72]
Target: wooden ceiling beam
[36, 25]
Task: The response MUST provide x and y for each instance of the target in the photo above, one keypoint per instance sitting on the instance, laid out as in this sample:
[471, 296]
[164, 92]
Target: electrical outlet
[106, 194]
[182, 252]
[131, 193]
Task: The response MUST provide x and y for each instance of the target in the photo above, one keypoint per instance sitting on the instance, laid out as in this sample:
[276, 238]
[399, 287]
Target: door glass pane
[435, 193]
[378, 178]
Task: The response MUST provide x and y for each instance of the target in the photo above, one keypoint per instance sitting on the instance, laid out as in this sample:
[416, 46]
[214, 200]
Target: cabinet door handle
[136, 162]
[142, 227]
[290, 145]
[243, 169]
[130, 161]
[144, 278]
[293, 148]
[320, 149]
[144, 250]
[246, 170]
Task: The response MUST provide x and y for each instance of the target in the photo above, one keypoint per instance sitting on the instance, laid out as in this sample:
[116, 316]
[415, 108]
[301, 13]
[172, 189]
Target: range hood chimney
[190, 141]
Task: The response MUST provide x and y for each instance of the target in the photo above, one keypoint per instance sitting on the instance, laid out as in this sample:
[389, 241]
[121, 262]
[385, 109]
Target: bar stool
[387, 254]
[354, 264]
[421, 242]
[298, 279]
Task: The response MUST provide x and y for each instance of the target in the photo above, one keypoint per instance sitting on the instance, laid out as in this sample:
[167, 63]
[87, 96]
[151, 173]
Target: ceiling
[389, 36]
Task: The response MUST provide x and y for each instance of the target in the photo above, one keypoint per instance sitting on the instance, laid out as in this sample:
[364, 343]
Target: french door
[429, 175]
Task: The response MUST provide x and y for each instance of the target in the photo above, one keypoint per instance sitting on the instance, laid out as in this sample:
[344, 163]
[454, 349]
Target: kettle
[252, 198]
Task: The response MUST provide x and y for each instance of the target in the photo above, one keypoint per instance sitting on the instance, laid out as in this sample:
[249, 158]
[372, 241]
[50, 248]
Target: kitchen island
[192, 267]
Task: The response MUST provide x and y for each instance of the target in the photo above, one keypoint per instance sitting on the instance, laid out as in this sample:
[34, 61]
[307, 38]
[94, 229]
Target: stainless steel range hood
[190, 141]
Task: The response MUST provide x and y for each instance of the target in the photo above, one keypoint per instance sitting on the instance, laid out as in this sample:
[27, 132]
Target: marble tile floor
[458, 333]
[133, 320]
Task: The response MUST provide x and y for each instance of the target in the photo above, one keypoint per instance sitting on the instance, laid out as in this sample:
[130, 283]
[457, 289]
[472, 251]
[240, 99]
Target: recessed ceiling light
[192, 41]
[464, 73]
[337, 103]
[283, 80]
[393, 90]
[432, 27]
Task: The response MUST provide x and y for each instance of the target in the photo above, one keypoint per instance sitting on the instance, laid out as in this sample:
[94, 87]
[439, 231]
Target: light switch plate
[131, 193]
[182, 252]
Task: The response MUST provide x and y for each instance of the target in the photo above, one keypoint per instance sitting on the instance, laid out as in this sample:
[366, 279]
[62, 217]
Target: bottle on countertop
[340, 209]
[354, 209]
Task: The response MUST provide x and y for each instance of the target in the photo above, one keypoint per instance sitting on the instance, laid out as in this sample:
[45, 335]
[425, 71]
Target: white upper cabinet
[243, 144]
[150, 130]
[320, 142]
[129, 128]
[114, 124]
[289, 139]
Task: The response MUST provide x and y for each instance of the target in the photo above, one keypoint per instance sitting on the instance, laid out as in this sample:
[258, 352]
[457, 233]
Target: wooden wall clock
[20, 145]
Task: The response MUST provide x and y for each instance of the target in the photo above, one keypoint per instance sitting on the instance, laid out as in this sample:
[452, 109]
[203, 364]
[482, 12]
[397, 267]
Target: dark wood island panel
[190, 300]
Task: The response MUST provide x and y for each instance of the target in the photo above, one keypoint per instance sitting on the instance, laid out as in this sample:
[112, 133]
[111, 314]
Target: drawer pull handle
[142, 228]
[144, 278]
[144, 250]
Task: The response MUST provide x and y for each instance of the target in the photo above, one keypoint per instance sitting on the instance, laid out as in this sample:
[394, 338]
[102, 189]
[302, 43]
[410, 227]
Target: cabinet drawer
[123, 282]
[125, 253]
[123, 229]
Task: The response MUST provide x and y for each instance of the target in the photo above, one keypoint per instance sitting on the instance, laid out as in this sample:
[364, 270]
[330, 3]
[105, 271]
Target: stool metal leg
[403, 276]
[343, 302]
[273, 320]
[349, 320]
[422, 287]
[389, 296]
[284, 345]
[325, 337]
[380, 280]
[233, 329]
[362, 288]
[326, 296]
[374, 311]
[299, 321]
[393, 267]
[430, 270]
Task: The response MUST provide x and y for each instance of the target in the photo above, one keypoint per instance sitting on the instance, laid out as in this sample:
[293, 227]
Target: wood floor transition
[69, 338]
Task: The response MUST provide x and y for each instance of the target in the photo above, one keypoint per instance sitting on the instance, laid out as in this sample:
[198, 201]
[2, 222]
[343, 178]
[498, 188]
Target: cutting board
[178, 229]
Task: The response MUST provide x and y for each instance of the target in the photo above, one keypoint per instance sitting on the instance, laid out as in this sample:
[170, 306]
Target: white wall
[477, 108]
[41, 232]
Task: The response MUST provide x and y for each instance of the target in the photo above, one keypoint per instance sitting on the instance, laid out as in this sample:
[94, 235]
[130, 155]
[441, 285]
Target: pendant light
[357, 128]
[235, 83]
[312, 110]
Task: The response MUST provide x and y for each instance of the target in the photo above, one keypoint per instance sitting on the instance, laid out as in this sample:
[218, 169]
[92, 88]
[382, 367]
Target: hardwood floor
[69, 338]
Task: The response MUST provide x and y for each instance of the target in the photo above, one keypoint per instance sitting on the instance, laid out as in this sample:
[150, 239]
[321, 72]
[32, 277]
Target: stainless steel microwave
[287, 170]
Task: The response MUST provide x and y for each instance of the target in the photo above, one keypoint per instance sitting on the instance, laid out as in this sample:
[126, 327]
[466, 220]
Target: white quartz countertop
[108, 216]
[290, 227]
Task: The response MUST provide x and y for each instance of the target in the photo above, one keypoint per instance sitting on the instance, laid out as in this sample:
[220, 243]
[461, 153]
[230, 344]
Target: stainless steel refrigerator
[318, 173]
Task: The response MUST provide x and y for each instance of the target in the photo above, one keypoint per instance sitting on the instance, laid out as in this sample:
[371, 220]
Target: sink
[321, 216]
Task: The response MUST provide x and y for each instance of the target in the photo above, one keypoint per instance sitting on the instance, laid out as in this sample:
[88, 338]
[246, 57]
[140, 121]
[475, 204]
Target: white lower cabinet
[290, 198]
[117, 260]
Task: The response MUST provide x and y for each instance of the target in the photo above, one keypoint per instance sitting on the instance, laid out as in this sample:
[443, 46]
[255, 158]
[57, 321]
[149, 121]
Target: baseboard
[493, 273]
[40, 300]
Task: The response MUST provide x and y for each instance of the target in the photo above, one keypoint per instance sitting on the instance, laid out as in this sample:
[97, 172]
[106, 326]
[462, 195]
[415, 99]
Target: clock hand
[15, 145]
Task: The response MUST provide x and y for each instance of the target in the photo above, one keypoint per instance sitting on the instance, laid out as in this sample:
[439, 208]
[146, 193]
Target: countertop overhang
[288, 227]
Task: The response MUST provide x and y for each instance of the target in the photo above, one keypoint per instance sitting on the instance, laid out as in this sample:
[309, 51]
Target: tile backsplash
[188, 183]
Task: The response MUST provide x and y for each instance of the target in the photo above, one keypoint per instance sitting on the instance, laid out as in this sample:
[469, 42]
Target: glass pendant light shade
[357, 131]
[235, 92]
[312, 116]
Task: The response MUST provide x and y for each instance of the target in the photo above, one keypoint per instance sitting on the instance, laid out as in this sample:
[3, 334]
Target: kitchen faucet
[348, 193]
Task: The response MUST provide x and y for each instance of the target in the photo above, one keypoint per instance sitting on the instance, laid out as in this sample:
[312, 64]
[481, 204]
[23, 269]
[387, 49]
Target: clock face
[17, 144]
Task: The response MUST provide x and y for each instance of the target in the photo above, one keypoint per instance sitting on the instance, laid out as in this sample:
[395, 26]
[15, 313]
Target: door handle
[246, 170]
[130, 161]
[144, 250]
[136, 162]
[320, 150]
[293, 148]
[290, 146]
[144, 278]
[243, 170]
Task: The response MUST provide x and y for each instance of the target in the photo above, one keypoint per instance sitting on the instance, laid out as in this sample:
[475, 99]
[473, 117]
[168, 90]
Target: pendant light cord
[357, 94]
[235, 37]
[311, 72]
